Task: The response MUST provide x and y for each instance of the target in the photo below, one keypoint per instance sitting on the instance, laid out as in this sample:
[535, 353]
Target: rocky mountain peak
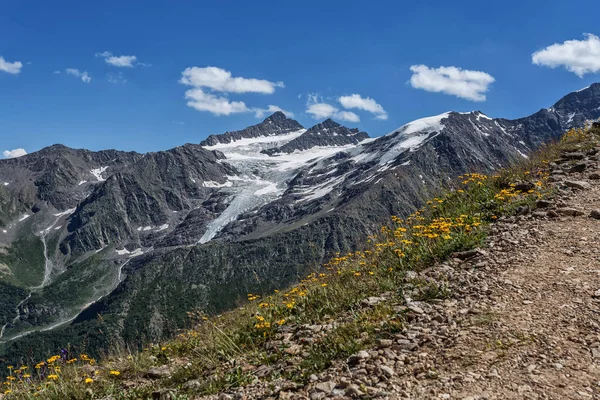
[326, 134]
[586, 98]
[275, 124]
[328, 123]
[277, 116]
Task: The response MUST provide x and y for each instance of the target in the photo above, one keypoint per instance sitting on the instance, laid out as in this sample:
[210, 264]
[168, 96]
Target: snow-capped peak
[423, 125]
[412, 135]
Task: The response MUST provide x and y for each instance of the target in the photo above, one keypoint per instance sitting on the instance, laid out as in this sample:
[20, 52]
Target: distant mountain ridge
[276, 124]
[142, 238]
[327, 133]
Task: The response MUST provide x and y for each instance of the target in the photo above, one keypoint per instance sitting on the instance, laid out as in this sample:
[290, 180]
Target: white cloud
[260, 112]
[79, 74]
[202, 101]
[366, 104]
[14, 153]
[207, 82]
[347, 116]
[467, 84]
[578, 56]
[57, 72]
[117, 77]
[117, 61]
[11, 67]
[220, 80]
[319, 110]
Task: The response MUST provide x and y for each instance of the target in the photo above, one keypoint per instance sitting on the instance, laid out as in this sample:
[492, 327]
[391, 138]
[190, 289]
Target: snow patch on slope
[66, 212]
[423, 128]
[97, 172]
[263, 178]
[261, 141]
[213, 184]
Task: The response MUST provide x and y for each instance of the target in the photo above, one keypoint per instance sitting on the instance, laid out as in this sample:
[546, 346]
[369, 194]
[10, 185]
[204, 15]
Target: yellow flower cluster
[507, 194]
[574, 134]
[47, 373]
[478, 179]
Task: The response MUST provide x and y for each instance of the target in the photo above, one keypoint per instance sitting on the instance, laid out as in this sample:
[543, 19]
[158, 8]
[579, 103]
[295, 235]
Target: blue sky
[306, 57]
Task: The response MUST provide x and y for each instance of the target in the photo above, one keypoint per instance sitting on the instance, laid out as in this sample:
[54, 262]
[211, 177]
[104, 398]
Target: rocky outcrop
[276, 124]
[327, 133]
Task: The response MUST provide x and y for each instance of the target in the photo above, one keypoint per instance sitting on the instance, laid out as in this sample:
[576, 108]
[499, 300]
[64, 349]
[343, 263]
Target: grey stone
[372, 301]
[416, 309]
[354, 391]
[579, 167]
[388, 371]
[594, 176]
[570, 211]
[576, 155]
[363, 354]
[552, 214]
[325, 387]
[384, 343]
[579, 185]
[543, 203]
[163, 371]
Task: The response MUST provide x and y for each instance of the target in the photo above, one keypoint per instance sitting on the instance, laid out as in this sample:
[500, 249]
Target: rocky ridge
[327, 133]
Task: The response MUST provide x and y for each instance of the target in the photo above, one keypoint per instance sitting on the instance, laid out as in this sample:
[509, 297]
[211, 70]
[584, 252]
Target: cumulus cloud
[117, 61]
[319, 110]
[11, 67]
[212, 85]
[79, 74]
[366, 104]
[221, 80]
[578, 56]
[218, 105]
[14, 153]
[115, 78]
[464, 83]
[261, 112]
[347, 116]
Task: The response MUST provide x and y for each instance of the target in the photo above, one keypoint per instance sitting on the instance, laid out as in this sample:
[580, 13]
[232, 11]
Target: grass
[232, 349]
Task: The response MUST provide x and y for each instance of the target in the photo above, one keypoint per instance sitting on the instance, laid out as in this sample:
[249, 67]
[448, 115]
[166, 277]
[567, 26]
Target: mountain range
[113, 248]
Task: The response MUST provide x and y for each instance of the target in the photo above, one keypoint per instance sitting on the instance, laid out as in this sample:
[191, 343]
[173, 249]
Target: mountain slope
[361, 327]
[247, 211]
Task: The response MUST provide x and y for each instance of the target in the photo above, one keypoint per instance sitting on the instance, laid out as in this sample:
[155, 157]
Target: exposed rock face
[147, 237]
[150, 193]
[276, 124]
[328, 133]
[56, 175]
